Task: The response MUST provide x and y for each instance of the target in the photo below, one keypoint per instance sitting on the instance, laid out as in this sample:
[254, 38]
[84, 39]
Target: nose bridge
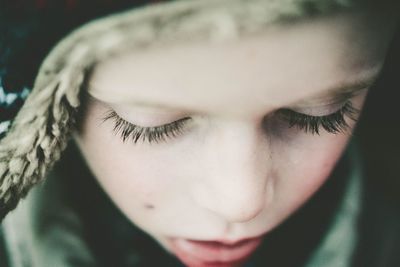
[236, 172]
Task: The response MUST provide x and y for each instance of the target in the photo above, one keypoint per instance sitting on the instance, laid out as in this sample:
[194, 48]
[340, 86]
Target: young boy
[216, 129]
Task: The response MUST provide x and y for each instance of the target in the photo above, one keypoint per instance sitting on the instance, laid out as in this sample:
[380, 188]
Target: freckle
[149, 206]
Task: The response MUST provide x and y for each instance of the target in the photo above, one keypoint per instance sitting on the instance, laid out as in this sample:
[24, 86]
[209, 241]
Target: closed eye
[334, 123]
[136, 133]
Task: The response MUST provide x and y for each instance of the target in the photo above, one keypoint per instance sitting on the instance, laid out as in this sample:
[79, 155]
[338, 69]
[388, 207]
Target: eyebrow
[141, 103]
[342, 92]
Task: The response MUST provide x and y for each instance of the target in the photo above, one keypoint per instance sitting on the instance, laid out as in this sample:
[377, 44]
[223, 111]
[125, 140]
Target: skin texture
[237, 170]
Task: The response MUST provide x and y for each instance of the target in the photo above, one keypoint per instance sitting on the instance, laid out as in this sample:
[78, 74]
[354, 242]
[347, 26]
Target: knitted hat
[48, 48]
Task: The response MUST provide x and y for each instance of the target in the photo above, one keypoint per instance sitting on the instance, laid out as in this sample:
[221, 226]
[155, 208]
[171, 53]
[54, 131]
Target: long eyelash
[334, 123]
[127, 130]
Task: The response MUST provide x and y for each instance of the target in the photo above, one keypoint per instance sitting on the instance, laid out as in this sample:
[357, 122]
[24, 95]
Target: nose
[235, 173]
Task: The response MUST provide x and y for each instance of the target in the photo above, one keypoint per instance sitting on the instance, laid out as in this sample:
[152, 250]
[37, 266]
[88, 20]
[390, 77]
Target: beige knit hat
[42, 127]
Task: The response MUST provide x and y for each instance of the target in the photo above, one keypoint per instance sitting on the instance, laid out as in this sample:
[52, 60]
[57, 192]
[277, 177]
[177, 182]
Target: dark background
[379, 128]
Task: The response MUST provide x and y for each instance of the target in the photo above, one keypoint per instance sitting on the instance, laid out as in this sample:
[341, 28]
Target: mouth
[194, 253]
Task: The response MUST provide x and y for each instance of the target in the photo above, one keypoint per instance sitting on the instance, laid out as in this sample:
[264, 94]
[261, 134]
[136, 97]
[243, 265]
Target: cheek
[129, 177]
[305, 168]
[306, 162]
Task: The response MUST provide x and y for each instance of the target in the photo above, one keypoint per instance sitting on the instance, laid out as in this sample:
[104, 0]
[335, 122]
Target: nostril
[243, 213]
[235, 210]
[233, 204]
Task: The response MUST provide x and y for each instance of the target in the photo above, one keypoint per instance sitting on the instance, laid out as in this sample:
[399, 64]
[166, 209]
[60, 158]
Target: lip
[194, 253]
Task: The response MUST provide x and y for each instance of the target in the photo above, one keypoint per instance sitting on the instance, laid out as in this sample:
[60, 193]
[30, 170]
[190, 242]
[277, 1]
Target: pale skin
[236, 170]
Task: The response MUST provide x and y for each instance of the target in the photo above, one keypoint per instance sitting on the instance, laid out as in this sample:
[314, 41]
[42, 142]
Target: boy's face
[234, 169]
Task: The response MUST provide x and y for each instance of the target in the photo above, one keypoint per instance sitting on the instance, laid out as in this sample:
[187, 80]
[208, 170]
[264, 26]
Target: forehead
[283, 65]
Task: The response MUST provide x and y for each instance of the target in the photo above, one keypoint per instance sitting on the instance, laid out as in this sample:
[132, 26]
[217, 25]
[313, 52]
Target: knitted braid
[36, 139]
